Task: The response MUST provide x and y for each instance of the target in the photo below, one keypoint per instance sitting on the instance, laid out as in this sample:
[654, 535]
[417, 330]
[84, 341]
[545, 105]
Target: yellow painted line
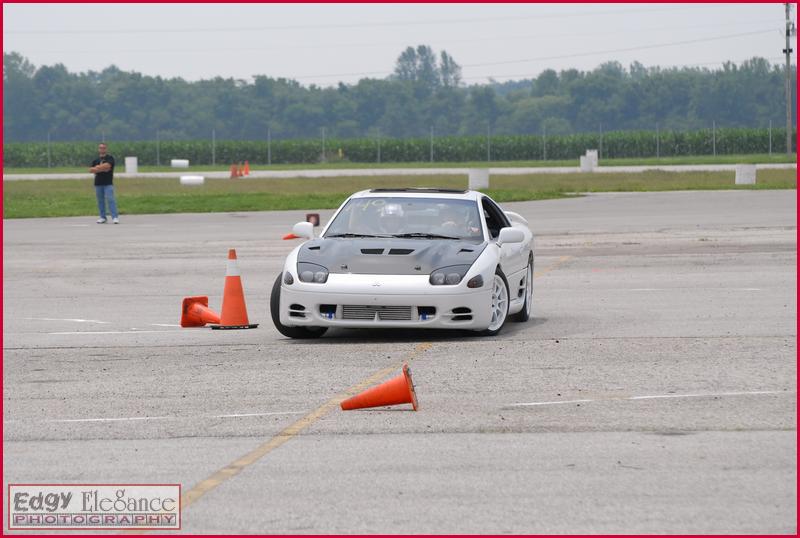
[561, 261]
[232, 469]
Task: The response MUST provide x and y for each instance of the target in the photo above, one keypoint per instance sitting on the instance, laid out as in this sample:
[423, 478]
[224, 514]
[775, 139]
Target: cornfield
[615, 144]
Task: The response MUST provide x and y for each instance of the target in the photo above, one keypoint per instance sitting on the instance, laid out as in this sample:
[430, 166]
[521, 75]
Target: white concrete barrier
[131, 165]
[586, 164]
[745, 174]
[478, 178]
[593, 156]
[192, 180]
[179, 163]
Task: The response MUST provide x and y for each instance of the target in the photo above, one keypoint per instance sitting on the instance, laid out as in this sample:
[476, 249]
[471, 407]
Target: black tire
[275, 311]
[527, 309]
[493, 332]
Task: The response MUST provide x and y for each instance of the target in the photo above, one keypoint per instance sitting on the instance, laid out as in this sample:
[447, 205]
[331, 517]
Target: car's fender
[486, 263]
[290, 264]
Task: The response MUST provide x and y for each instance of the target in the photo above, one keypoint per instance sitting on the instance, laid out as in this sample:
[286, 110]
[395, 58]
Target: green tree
[424, 91]
[450, 71]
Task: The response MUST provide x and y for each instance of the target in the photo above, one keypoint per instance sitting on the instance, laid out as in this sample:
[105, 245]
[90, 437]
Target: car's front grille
[394, 313]
[385, 313]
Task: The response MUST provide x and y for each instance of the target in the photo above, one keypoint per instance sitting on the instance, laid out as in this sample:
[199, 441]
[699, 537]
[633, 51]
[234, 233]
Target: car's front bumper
[390, 301]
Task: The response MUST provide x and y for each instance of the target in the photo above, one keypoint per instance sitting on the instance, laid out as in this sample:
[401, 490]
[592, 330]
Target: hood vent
[400, 251]
[371, 251]
[314, 248]
[465, 250]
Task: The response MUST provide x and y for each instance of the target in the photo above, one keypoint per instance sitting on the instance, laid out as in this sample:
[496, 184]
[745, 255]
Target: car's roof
[411, 192]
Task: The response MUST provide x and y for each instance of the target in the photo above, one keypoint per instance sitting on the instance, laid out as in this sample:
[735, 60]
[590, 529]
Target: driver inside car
[454, 223]
[392, 219]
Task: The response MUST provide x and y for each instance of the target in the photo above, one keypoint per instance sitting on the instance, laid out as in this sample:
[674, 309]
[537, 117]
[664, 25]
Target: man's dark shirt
[104, 178]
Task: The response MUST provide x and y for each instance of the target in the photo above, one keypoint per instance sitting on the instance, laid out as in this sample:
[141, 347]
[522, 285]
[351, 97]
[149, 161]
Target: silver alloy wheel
[499, 303]
[528, 290]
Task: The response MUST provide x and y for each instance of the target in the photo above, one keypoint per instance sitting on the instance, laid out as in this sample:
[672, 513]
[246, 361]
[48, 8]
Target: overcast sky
[327, 43]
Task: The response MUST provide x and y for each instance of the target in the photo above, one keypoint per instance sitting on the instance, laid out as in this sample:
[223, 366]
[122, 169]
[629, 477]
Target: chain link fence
[431, 144]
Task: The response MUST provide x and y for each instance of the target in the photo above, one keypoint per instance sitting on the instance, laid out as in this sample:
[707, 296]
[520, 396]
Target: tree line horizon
[425, 95]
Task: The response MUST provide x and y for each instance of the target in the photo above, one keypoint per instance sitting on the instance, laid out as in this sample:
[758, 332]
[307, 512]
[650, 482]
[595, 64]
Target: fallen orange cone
[234, 310]
[291, 236]
[195, 312]
[398, 390]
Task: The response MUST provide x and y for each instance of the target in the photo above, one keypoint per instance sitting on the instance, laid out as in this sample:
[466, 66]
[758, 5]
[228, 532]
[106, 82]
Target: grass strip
[61, 198]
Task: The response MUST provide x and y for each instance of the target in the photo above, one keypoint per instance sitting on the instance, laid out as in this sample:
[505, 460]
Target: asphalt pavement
[654, 390]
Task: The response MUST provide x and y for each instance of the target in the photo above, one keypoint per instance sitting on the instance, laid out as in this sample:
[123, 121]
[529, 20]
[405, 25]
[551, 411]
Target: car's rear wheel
[525, 313]
[275, 311]
[499, 306]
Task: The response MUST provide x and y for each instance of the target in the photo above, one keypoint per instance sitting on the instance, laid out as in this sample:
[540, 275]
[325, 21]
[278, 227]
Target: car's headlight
[311, 272]
[448, 276]
[288, 279]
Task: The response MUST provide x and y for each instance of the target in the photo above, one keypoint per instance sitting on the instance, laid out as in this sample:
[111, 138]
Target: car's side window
[495, 218]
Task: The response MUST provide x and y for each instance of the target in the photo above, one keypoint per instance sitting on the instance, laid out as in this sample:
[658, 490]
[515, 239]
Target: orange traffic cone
[195, 312]
[234, 173]
[291, 236]
[398, 390]
[239, 171]
[246, 168]
[234, 311]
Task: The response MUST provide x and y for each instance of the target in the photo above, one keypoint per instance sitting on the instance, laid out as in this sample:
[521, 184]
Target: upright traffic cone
[246, 168]
[239, 170]
[234, 173]
[195, 312]
[398, 390]
[234, 311]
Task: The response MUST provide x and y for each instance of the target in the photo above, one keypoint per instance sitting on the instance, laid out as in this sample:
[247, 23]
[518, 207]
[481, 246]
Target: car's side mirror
[510, 235]
[304, 230]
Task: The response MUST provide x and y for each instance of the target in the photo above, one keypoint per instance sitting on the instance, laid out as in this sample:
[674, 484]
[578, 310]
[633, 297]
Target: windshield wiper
[425, 236]
[354, 235]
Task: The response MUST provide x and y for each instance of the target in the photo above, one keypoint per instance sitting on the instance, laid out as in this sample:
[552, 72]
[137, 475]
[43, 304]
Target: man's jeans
[106, 192]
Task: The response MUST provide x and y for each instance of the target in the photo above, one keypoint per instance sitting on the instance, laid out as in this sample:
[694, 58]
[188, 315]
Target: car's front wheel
[275, 311]
[499, 306]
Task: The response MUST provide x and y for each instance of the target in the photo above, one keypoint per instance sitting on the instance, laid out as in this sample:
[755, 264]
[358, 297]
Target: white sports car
[422, 258]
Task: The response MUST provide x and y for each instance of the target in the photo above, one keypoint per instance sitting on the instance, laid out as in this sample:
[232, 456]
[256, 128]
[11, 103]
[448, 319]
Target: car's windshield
[408, 218]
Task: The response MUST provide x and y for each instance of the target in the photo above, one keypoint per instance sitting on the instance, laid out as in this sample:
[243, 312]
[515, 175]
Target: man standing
[103, 170]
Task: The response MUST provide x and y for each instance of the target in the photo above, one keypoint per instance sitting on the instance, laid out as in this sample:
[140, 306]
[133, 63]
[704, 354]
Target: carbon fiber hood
[389, 256]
